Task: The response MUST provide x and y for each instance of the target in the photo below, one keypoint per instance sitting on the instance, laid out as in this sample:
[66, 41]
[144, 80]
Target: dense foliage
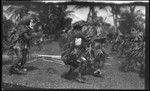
[6, 27]
[131, 44]
[132, 48]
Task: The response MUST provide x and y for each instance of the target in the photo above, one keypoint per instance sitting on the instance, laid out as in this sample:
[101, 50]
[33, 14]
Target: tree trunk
[91, 14]
[115, 23]
[89, 17]
[115, 17]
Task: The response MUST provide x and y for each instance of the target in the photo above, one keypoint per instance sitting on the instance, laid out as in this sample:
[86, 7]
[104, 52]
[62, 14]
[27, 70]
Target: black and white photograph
[74, 44]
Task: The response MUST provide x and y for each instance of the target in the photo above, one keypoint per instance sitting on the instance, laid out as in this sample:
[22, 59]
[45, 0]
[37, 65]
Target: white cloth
[99, 31]
[78, 41]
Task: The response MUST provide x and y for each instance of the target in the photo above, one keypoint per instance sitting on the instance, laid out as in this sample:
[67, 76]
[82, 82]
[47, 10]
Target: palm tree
[137, 16]
[133, 20]
[116, 10]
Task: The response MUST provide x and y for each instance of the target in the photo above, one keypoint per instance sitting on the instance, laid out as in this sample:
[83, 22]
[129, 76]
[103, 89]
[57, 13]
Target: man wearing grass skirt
[72, 56]
[25, 33]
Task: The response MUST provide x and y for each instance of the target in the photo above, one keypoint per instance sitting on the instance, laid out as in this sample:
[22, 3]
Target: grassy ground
[43, 74]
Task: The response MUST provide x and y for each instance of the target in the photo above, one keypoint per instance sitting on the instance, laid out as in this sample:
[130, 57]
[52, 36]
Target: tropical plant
[6, 27]
[14, 13]
[133, 20]
[134, 52]
[115, 10]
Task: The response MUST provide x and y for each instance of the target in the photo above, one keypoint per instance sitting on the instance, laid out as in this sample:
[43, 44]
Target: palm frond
[14, 12]
[102, 7]
[68, 13]
[80, 6]
[18, 14]
[80, 23]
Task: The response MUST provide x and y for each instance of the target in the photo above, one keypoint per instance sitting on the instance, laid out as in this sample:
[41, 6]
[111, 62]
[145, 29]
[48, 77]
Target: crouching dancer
[73, 57]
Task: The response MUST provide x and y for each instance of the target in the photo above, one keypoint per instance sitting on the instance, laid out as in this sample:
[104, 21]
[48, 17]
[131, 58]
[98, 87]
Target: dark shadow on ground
[7, 86]
[73, 75]
[69, 76]
[51, 70]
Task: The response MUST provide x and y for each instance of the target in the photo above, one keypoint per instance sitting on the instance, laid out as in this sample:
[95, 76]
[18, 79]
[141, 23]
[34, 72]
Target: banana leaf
[79, 23]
